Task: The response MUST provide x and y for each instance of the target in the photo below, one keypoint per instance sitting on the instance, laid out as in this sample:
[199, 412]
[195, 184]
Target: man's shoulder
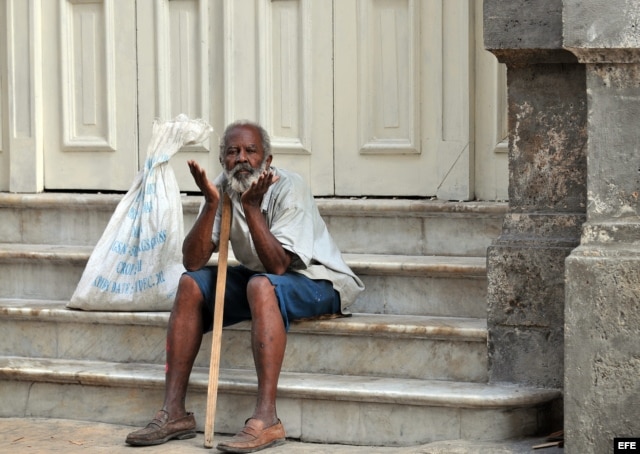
[290, 179]
[291, 189]
[286, 173]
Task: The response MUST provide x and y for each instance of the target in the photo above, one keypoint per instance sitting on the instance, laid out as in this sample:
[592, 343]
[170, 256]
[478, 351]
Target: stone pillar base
[547, 206]
[602, 344]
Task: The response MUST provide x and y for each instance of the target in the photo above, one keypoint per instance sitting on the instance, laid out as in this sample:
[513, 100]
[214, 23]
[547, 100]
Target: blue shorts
[298, 296]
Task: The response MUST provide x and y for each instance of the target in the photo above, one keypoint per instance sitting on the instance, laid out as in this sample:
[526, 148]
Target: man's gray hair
[264, 137]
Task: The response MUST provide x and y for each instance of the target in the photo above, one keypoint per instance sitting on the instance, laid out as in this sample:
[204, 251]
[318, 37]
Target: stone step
[314, 407]
[413, 227]
[418, 347]
[41, 270]
[428, 227]
[398, 284]
[421, 285]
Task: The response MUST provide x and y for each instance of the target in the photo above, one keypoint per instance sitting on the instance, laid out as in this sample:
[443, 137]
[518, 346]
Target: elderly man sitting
[290, 269]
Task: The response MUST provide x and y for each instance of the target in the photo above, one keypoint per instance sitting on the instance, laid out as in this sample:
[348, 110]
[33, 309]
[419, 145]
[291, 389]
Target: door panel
[394, 116]
[490, 121]
[298, 89]
[402, 98]
[180, 71]
[267, 61]
[290, 89]
[90, 132]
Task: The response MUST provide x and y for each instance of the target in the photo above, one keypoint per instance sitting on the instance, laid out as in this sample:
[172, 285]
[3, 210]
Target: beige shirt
[294, 220]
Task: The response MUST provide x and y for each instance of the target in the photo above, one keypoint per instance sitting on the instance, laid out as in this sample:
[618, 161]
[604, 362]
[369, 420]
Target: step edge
[374, 207]
[366, 264]
[291, 385]
[462, 329]
[351, 207]
[25, 252]
[417, 265]
[361, 323]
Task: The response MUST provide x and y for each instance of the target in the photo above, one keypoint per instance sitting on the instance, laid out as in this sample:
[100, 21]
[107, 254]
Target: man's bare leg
[268, 340]
[184, 336]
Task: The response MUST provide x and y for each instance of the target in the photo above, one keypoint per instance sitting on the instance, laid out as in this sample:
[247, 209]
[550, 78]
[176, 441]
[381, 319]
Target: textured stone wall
[602, 392]
[547, 204]
[602, 334]
[602, 29]
[574, 154]
[547, 191]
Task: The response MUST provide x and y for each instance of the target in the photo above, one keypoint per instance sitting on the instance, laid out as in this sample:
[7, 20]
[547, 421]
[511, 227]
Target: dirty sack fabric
[137, 262]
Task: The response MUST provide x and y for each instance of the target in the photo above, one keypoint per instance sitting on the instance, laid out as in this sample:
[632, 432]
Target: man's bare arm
[274, 257]
[197, 246]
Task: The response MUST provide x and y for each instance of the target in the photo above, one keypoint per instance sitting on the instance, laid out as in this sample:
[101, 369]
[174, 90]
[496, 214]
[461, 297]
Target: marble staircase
[409, 367]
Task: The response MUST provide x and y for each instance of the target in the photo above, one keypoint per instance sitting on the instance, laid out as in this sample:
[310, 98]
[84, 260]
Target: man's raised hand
[253, 195]
[208, 189]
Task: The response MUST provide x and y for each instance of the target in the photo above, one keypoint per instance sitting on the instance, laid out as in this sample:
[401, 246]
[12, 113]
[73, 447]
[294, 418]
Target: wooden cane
[218, 312]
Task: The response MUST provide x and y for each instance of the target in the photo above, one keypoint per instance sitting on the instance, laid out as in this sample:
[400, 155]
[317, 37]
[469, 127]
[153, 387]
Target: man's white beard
[240, 183]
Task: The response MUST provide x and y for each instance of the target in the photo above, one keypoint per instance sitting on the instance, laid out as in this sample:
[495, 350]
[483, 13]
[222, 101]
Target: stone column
[547, 191]
[602, 313]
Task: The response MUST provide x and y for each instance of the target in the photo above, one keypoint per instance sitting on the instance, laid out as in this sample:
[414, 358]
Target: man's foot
[161, 429]
[254, 437]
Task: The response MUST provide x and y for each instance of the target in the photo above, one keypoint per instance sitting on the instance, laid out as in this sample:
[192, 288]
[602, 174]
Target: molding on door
[24, 96]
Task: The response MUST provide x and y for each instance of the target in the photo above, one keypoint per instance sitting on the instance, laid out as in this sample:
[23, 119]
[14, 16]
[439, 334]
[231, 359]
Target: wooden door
[225, 60]
[361, 97]
[90, 127]
[403, 98]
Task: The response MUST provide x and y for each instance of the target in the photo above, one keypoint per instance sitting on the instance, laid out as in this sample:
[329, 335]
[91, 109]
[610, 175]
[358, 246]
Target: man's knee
[259, 288]
[189, 292]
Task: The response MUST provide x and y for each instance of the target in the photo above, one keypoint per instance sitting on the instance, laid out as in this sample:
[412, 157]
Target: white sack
[137, 262]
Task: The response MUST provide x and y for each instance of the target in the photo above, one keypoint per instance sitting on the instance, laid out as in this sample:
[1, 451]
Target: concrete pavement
[35, 435]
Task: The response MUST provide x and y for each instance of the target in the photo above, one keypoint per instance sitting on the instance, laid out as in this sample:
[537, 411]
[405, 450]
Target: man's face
[244, 160]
